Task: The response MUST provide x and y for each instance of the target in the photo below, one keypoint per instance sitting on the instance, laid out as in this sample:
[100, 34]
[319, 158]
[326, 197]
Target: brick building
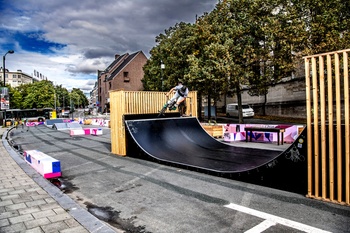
[124, 73]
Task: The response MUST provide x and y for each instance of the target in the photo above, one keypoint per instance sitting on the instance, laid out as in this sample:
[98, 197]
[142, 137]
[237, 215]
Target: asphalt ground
[135, 195]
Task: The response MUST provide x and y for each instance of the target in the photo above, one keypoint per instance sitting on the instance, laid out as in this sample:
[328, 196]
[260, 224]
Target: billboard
[5, 98]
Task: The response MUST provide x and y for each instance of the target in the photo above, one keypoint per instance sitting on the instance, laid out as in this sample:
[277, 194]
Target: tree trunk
[264, 106]
[239, 101]
[199, 109]
[209, 107]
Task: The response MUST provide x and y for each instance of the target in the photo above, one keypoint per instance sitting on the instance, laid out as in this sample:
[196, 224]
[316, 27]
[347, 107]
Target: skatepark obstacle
[137, 102]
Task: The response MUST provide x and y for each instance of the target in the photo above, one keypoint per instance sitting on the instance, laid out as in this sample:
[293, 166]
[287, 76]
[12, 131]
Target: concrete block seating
[47, 166]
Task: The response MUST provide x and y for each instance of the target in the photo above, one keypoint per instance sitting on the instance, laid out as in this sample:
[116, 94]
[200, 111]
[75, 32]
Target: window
[126, 76]
[110, 85]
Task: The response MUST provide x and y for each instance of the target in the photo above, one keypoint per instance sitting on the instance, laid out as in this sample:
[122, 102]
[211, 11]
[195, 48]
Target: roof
[127, 59]
[115, 62]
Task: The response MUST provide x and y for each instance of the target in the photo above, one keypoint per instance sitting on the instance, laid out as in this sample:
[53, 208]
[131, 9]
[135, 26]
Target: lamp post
[162, 67]
[4, 72]
[3, 64]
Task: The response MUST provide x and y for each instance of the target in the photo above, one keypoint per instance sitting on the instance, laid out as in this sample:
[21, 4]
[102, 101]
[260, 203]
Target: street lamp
[3, 64]
[162, 67]
[4, 72]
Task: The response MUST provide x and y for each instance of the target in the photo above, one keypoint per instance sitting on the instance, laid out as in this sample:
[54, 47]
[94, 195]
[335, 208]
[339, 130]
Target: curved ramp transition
[183, 141]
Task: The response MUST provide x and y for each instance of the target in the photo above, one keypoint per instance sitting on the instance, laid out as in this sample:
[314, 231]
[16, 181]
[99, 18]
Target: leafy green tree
[61, 93]
[23, 90]
[326, 24]
[15, 98]
[78, 98]
[173, 48]
[247, 44]
[44, 95]
[40, 95]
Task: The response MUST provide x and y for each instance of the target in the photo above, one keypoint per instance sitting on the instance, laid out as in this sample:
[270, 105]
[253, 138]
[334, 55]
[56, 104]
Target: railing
[328, 132]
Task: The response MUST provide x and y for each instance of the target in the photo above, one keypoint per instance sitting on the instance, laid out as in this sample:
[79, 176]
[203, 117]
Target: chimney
[116, 56]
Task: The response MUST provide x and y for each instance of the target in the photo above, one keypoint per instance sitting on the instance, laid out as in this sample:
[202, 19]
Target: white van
[232, 110]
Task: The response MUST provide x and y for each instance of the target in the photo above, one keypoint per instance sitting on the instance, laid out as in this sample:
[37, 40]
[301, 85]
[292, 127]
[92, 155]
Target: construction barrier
[328, 132]
[138, 102]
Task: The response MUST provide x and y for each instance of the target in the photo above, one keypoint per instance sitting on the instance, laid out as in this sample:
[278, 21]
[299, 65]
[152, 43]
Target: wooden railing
[328, 132]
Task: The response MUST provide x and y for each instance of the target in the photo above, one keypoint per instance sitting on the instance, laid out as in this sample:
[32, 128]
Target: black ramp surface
[184, 141]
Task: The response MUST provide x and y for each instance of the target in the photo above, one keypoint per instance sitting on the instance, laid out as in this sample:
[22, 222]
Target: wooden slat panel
[309, 127]
[323, 128]
[315, 115]
[337, 173]
[330, 126]
[347, 130]
[338, 117]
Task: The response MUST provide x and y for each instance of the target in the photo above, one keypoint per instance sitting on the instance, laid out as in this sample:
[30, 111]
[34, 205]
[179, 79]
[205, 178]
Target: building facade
[16, 78]
[124, 73]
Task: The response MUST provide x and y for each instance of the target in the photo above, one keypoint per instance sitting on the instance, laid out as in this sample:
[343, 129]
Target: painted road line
[261, 227]
[276, 219]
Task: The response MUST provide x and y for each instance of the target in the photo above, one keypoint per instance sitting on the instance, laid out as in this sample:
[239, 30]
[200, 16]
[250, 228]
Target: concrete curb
[87, 220]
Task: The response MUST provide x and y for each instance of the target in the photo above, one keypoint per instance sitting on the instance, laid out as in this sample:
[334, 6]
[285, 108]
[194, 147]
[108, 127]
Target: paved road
[143, 196]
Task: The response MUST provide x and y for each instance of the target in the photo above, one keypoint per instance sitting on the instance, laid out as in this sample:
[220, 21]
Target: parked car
[232, 110]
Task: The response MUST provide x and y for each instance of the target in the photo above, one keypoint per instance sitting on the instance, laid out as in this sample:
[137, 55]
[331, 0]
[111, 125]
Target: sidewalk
[30, 203]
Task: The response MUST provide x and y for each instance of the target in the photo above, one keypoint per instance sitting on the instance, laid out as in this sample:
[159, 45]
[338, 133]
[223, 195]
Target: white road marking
[276, 219]
[239, 217]
[261, 227]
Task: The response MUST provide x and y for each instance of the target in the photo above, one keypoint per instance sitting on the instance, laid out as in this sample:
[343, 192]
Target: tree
[78, 98]
[247, 43]
[15, 98]
[40, 95]
[326, 25]
[173, 48]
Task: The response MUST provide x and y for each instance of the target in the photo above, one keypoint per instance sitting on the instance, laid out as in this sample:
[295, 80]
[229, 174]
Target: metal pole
[3, 64]
[4, 73]
[3, 68]
[162, 67]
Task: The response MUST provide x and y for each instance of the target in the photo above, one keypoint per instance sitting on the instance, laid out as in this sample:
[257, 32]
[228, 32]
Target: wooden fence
[138, 102]
[327, 99]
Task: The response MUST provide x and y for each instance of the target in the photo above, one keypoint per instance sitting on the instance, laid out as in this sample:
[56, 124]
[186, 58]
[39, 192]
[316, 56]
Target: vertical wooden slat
[330, 127]
[309, 129]
[347, 133]
[338, 117]
[315, 115]
[337, 173]
[323, 128]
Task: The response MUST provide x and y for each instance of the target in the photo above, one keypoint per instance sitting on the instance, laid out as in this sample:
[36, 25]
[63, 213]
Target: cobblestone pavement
[30, 203]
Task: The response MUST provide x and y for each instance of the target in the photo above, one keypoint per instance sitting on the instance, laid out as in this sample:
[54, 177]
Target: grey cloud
[97, 30]
[98, 52]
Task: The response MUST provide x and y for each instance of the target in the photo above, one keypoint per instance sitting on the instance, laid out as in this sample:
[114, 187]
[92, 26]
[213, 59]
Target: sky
[67, 41]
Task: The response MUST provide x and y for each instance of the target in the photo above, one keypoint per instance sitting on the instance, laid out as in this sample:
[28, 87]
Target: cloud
[68, 41]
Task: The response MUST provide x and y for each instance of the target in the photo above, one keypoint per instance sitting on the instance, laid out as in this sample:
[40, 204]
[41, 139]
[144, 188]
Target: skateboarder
[179, 96]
